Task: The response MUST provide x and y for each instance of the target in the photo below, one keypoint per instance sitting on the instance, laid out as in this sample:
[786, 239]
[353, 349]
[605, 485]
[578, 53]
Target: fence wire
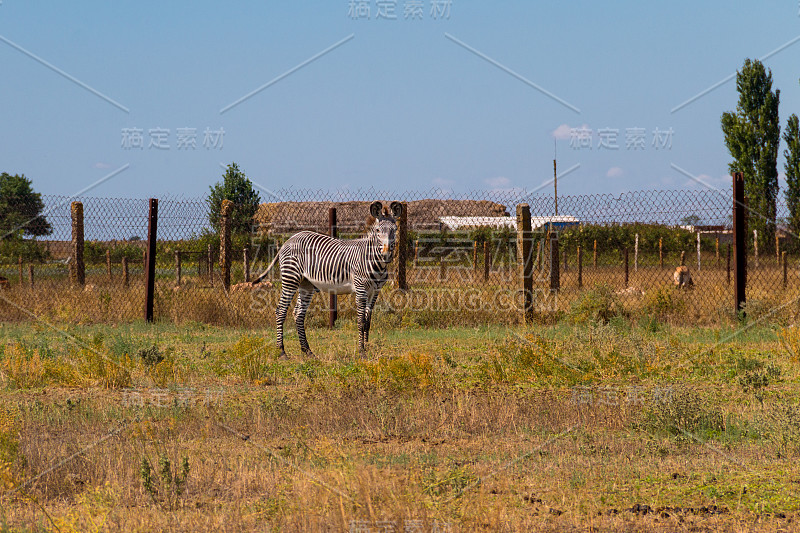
[615, 255]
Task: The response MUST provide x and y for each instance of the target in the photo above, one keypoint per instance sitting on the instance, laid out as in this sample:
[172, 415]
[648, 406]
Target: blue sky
[469, 101]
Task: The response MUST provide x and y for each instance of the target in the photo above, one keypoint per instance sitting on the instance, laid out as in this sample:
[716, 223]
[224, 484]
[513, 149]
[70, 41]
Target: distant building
[453, 223]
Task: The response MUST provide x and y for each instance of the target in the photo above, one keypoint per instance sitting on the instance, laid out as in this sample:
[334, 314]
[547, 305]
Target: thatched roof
[288, 217]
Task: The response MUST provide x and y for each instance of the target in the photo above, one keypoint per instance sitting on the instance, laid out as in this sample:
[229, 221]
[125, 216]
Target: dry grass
[487, 429]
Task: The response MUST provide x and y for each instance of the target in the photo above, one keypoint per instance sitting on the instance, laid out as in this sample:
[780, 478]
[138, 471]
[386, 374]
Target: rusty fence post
[785, 270]
[525, 260]
[333, 301]
[739, 243]
[729, 264]
[178, 268]
[225, 243]
[717, 249]
[124, 271]
[594, 259]
[210, 265]
[246, 264]
[108, 265]
[580, 267]
[77, 271]
[30, 274]
[661, 252]
[487, 261]
[150, 265]
[402, 248]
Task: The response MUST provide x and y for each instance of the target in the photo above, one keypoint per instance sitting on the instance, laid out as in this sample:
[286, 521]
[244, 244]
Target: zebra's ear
[397, 209]
[375, 209]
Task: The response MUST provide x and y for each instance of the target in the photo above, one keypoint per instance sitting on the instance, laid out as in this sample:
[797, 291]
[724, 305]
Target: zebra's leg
[300, 309]
[371, 299]
[361, 304]
[288, 288]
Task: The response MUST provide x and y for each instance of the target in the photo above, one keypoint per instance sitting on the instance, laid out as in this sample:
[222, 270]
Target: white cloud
[443, 182]
[614, 172]
[498, 182]
[564, 131]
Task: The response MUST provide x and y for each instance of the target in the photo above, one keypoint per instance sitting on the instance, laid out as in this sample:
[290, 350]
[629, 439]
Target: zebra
[312, 262]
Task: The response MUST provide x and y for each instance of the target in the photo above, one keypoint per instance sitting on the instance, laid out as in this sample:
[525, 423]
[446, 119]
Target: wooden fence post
[77, 272]
[21, 279]
[755, 245]
[525, 260]
[124, 271]
[594, 260]
[246, 264]
[566, 267]
[717, 250]
[150, 265]
[739, 243]
[402, 248]
[30, 274]
[636, 254]
[225, 243]
[333, 303]
[698, 250]
[416, 253]
[580, 268]
[661, 252]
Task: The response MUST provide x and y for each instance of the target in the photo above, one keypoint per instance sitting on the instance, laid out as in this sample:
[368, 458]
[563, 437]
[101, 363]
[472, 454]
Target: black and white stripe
[311, 262]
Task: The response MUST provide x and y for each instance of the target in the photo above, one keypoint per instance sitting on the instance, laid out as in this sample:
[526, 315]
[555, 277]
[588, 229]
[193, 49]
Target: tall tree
[792, 168]
[752, 135]
[238, 189]
[21, 208]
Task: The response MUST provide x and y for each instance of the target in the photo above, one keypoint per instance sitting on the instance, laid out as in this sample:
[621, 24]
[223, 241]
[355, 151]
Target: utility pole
[555, 176]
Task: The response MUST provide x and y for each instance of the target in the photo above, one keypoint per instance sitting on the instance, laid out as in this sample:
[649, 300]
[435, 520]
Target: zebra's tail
[264, 274]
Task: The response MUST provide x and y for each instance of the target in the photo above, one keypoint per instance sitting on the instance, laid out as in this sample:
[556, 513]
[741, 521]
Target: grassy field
[592, 424]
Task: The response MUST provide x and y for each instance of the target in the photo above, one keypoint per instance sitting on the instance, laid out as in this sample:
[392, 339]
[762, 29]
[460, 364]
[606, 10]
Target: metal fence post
[225, 243]
[739, 243]
[525, 259]
[333, 302]
[626, 267]
[77, 272]
[150, 265]
[555, 278]
[246, 264]
[402, 248]
[580, 267]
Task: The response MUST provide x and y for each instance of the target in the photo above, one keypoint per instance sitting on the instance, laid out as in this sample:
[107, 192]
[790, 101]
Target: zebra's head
[383, 228]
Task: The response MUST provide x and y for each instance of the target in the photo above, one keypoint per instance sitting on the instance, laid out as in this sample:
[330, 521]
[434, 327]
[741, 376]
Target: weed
[683, 413]
[598, 305]
[166, 486]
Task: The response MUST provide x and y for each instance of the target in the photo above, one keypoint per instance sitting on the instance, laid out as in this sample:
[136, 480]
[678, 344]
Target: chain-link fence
[591, 257]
